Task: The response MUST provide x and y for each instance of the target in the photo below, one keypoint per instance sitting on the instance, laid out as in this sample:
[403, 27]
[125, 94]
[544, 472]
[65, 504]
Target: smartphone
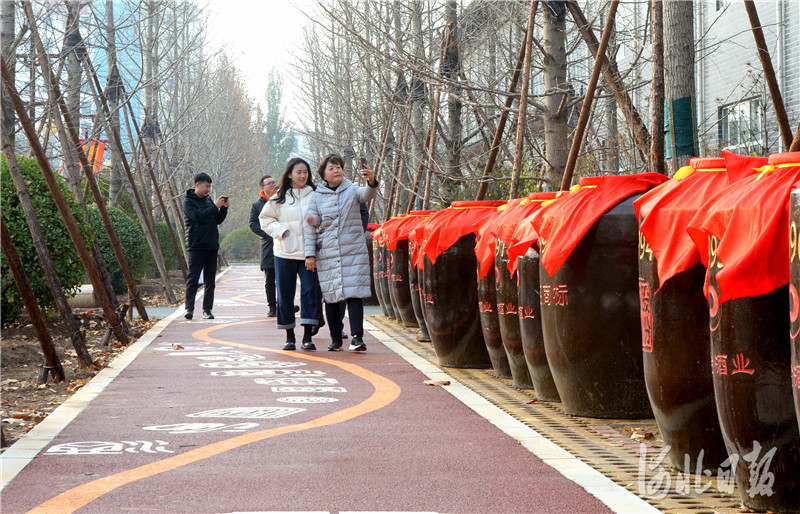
[363, 162]
[225, 198]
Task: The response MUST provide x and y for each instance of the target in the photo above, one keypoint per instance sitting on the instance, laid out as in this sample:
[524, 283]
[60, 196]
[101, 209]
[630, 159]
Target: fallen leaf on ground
[177, 346]
[437, 382]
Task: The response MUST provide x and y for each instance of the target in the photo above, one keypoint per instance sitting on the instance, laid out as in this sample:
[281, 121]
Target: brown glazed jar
[383, 280]
[389, 257]
[452, 306]
[752, 387]
[508, 317]
[490, 325]
[530, 327]
[676, 351]
[794, 298]
[590, 321]
[416, 302]
[399, 284]
[376, 276]
[373, 299]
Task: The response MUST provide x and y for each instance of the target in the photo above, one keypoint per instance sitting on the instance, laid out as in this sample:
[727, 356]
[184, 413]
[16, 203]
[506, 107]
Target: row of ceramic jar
[628, 297]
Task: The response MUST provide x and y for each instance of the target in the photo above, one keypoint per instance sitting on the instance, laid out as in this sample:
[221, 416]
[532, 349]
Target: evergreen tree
[278, 138]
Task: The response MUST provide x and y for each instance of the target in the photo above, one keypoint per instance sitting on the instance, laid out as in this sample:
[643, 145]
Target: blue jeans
[286, 273]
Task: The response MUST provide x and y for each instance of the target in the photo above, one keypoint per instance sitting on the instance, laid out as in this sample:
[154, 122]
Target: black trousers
[335, 312]
[269, 286]
[205, 262]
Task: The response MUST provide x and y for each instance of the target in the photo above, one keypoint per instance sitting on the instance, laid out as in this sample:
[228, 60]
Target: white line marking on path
[21, 453]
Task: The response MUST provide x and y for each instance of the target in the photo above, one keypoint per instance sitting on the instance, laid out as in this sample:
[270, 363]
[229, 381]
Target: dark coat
[267, 260]
[201, 218]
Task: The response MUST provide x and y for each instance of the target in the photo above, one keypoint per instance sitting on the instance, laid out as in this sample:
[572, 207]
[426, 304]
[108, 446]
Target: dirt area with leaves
[25, 402]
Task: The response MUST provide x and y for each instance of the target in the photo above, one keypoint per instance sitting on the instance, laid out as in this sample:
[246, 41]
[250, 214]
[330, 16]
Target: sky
[260, 35]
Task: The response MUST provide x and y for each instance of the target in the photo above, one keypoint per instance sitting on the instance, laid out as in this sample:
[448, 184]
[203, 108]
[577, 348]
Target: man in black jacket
[268, 188]
[201, 216]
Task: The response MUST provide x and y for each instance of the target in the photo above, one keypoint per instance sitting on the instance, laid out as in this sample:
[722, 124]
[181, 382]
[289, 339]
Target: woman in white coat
[336, 247]
[283, 218]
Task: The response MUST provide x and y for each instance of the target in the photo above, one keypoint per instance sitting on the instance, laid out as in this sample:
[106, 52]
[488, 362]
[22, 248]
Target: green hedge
[170, 257]
[242, 245]
[64, 255]
[132, 240]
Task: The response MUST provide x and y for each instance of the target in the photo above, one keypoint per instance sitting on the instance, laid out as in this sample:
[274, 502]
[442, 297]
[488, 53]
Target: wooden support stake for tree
[149, 165]
[72, 226]
[49, 268]
[68, 130]
[613, 81]
[501, 125]
[431, 151]
[522, 117]
[657, 104]
[399, 162]
[421, 167]
[123, 311]
[769, 73]
[52, 363]
[586, 110]
[382, 153]
[141, 212]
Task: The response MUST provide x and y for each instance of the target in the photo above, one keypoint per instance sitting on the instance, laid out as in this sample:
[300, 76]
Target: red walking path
[212, 416]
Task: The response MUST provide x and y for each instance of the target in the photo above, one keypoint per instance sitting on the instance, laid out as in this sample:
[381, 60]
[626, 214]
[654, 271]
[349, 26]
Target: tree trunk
[612, 131]
[452, 69]
[73, 328]
[556, 131]
[52, 363]
[657, 104]
[9, 54]
[679, 95]
[113, 92]
[77, 238]
[73, 90]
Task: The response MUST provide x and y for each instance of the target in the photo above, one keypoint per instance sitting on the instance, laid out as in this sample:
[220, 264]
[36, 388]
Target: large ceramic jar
[384, 268]
[676, 352]
[452, 309]
[373, 298]
[752, 386]
[416, 302]
[490, 325]
[377, 260]
[508, 317]
[675, 334]
[794, 305]
[530, 326]
[399, 284]
[590, 321]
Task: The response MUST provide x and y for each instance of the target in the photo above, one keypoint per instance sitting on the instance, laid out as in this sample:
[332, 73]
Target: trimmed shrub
[133, 243]
[63, 253]
[242, 245]
[170, 257]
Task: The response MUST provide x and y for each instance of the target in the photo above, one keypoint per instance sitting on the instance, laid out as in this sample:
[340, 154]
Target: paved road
[212, 416]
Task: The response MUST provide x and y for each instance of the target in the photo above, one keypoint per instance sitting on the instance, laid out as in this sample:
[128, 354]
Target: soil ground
[25, 402]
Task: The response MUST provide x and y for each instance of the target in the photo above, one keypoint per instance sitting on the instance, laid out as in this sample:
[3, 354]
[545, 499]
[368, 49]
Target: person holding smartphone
[283, 218]
[201, 216]
[335, 247]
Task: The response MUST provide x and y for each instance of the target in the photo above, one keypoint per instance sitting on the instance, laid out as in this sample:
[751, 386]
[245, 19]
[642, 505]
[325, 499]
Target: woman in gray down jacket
[283, 218]
[337, 250]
